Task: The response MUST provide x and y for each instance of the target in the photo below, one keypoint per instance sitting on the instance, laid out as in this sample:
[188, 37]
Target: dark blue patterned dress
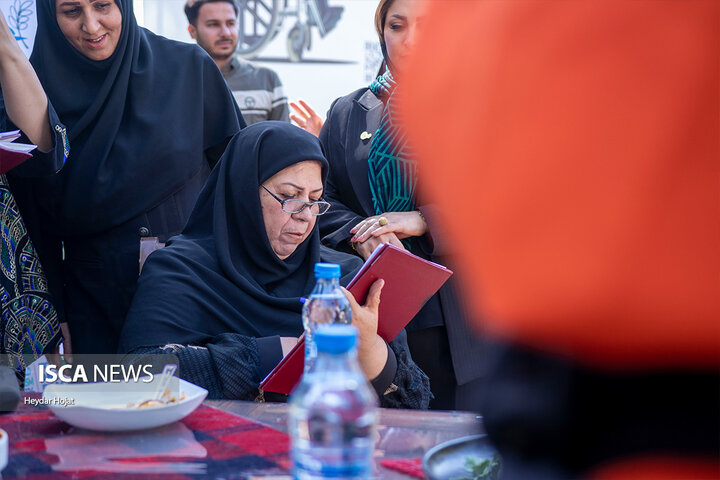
[29, 320]
[30, 323]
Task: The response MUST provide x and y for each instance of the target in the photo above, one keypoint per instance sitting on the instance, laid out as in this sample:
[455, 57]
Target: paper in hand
[13, 154]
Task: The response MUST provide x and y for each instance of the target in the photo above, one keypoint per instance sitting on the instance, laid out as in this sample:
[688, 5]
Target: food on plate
[151, 403]
[487, 469]
[166, 399]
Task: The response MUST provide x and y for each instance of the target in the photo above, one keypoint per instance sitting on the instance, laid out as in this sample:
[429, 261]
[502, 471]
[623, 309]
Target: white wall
[345, 60]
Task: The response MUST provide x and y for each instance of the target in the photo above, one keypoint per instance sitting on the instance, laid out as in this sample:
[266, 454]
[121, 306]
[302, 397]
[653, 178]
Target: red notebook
[409, 282]
[13, 154]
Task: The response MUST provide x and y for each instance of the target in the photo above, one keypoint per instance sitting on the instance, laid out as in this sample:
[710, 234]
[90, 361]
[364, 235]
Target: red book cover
[13, 154]
[409, 282]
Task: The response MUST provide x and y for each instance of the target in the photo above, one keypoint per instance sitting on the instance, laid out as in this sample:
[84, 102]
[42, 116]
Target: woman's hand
[66, 343]
[372, 350]
[402, 224]
[54, 357]
[306, 118]
[366, 248]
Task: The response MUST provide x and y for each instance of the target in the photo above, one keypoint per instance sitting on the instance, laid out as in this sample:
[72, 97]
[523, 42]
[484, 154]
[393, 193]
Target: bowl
[112, 407]
[449, 460]
[4, 441]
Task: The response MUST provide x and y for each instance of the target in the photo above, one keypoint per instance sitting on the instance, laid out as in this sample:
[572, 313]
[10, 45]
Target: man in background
[213, 24]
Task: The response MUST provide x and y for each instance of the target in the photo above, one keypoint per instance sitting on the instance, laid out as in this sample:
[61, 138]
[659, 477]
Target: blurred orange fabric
[575, 149]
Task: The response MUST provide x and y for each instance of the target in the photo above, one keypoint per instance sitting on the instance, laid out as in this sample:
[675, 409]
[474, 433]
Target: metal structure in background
[261, 20]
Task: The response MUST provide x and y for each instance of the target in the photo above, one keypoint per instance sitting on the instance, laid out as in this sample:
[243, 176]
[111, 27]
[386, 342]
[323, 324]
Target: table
[403, 433]
[234, 442]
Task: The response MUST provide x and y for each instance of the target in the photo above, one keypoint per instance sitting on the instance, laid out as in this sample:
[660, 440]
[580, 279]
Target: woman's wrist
[10, 50]
[423, 221]
[422, 217]
[10, 57]
[373, 357]
[372, 347]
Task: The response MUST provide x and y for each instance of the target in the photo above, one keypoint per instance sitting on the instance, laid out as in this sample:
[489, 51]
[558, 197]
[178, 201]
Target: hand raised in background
[54, 356]
[306, 118]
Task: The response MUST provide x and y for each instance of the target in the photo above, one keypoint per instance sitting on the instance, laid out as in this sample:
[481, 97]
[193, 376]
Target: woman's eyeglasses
[294, 205]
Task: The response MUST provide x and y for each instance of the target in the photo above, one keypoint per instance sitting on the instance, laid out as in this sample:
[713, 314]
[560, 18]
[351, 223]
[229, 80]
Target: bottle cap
[335, 338]
[327, 270]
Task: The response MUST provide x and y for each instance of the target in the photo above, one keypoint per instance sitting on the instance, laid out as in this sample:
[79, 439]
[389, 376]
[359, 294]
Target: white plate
[103, 406]
[3, 449]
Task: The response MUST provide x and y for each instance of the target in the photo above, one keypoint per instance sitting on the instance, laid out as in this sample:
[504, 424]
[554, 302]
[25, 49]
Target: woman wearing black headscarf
[376, 198]
[222, 293]
[147, 117]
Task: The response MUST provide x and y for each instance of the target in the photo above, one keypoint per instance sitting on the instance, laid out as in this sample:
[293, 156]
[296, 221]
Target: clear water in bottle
[325, 305]
[333, 412]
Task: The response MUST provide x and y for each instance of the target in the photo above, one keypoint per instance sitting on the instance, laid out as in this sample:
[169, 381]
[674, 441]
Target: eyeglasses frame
[306, 204]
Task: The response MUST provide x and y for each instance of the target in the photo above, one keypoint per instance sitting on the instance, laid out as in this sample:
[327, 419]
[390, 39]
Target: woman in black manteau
[375, 199]
[142, 120]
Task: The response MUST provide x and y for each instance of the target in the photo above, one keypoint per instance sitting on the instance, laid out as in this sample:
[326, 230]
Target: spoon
[165, 378]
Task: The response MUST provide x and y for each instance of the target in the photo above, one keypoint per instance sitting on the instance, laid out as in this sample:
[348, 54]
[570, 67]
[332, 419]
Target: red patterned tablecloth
[209, 443]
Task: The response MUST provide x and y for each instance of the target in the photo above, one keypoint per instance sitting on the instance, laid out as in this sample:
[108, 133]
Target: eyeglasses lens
[295, 206]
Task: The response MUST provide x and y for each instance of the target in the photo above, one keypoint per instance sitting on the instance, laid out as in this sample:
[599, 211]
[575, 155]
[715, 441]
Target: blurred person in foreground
[213, 24]
[582, 188]
[376, 198]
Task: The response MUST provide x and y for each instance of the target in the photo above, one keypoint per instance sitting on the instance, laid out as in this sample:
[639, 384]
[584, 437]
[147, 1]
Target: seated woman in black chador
[222, 294]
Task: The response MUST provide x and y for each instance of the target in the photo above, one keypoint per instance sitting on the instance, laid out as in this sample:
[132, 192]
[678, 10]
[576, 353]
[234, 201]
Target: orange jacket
[575, 148]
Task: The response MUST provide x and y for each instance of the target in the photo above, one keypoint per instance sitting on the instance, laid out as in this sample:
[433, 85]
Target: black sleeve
[269, 353]
[42, 163]
[410, 387]
[335, 225]
[231, 367]
[382, 382]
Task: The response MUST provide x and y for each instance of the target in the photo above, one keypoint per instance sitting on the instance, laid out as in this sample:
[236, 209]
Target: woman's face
[286, 231]
[93, 27]
[403, 19]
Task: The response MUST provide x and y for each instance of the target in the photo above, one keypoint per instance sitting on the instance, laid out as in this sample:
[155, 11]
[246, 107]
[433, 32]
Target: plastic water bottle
[325, 305]
[333, 412]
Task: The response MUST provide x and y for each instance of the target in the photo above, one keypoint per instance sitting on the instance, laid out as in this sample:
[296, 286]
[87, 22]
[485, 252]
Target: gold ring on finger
[382, 221]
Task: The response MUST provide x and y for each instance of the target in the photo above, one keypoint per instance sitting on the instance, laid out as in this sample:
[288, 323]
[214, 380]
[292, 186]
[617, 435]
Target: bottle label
[333, 462]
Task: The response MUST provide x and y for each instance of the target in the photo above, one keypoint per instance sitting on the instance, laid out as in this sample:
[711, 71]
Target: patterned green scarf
[392, 171]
